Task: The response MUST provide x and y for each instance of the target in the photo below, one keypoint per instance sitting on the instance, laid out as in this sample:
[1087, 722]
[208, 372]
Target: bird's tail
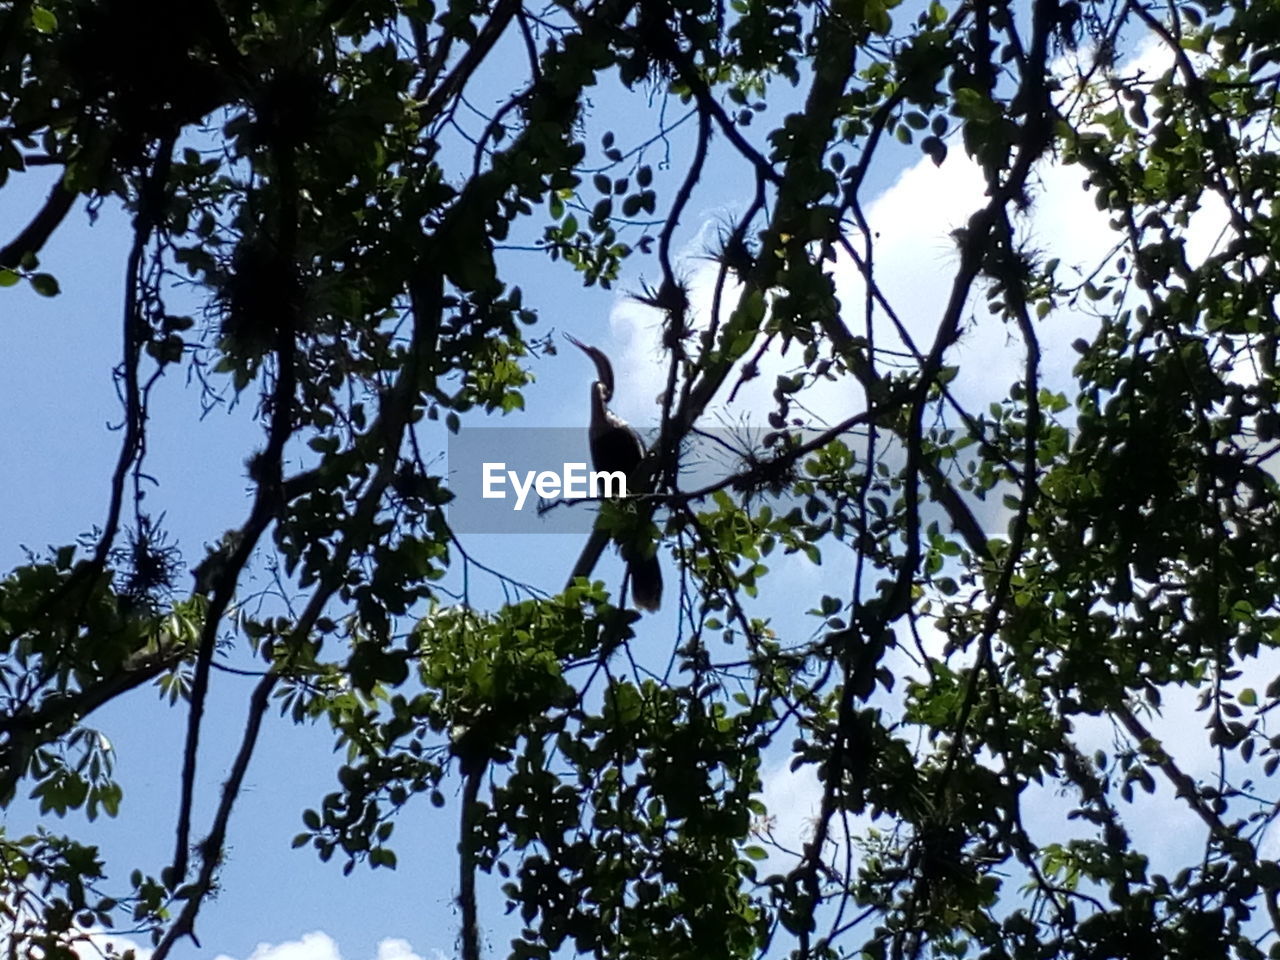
[646, 583]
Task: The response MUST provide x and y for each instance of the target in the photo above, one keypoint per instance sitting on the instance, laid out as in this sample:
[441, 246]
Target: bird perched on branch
[616, 446]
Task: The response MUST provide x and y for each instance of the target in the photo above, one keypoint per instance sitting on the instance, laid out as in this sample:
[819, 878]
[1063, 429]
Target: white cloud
[794, 802]
[793, 799]
[1269, 848]
[312, 946]
[914, 264]
[318, 945]
[103, 943]
[396, 949]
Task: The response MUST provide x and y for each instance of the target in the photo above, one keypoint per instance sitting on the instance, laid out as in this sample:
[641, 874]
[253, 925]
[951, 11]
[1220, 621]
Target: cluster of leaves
[298, 164]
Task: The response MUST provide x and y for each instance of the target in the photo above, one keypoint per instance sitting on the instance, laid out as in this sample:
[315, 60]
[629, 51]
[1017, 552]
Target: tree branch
[37, 233]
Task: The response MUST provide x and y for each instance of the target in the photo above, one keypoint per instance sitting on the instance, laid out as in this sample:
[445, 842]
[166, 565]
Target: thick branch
[503, 13]
[37, 233]
[467, 865]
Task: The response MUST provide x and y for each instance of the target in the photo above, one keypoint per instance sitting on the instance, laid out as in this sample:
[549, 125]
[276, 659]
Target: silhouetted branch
[37, 233]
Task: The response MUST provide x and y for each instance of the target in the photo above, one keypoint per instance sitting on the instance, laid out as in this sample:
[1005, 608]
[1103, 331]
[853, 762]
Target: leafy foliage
[309, 168]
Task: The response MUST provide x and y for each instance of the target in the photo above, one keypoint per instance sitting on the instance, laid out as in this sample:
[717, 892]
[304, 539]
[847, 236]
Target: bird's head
[604, 369]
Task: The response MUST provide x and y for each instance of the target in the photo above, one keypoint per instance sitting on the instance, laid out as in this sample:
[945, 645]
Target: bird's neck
[599, 406]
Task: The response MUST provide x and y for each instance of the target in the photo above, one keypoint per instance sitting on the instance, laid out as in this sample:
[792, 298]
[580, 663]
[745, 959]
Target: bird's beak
[604, 369]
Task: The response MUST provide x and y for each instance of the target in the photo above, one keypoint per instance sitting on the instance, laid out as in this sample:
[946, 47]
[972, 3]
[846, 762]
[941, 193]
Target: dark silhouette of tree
[318, 173]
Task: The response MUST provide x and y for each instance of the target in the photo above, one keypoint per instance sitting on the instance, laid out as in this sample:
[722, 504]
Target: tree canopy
[1013, 582]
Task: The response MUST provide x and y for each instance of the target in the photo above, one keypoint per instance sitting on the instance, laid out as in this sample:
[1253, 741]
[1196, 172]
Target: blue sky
[56, 392]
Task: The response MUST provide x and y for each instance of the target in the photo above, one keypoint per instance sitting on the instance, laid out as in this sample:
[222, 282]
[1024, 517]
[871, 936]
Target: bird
[615, 446]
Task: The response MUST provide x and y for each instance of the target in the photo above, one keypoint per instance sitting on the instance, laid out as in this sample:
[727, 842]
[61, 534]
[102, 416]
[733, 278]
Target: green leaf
[43, 20]
[8, 277]
[45, 284]
[935, 149]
